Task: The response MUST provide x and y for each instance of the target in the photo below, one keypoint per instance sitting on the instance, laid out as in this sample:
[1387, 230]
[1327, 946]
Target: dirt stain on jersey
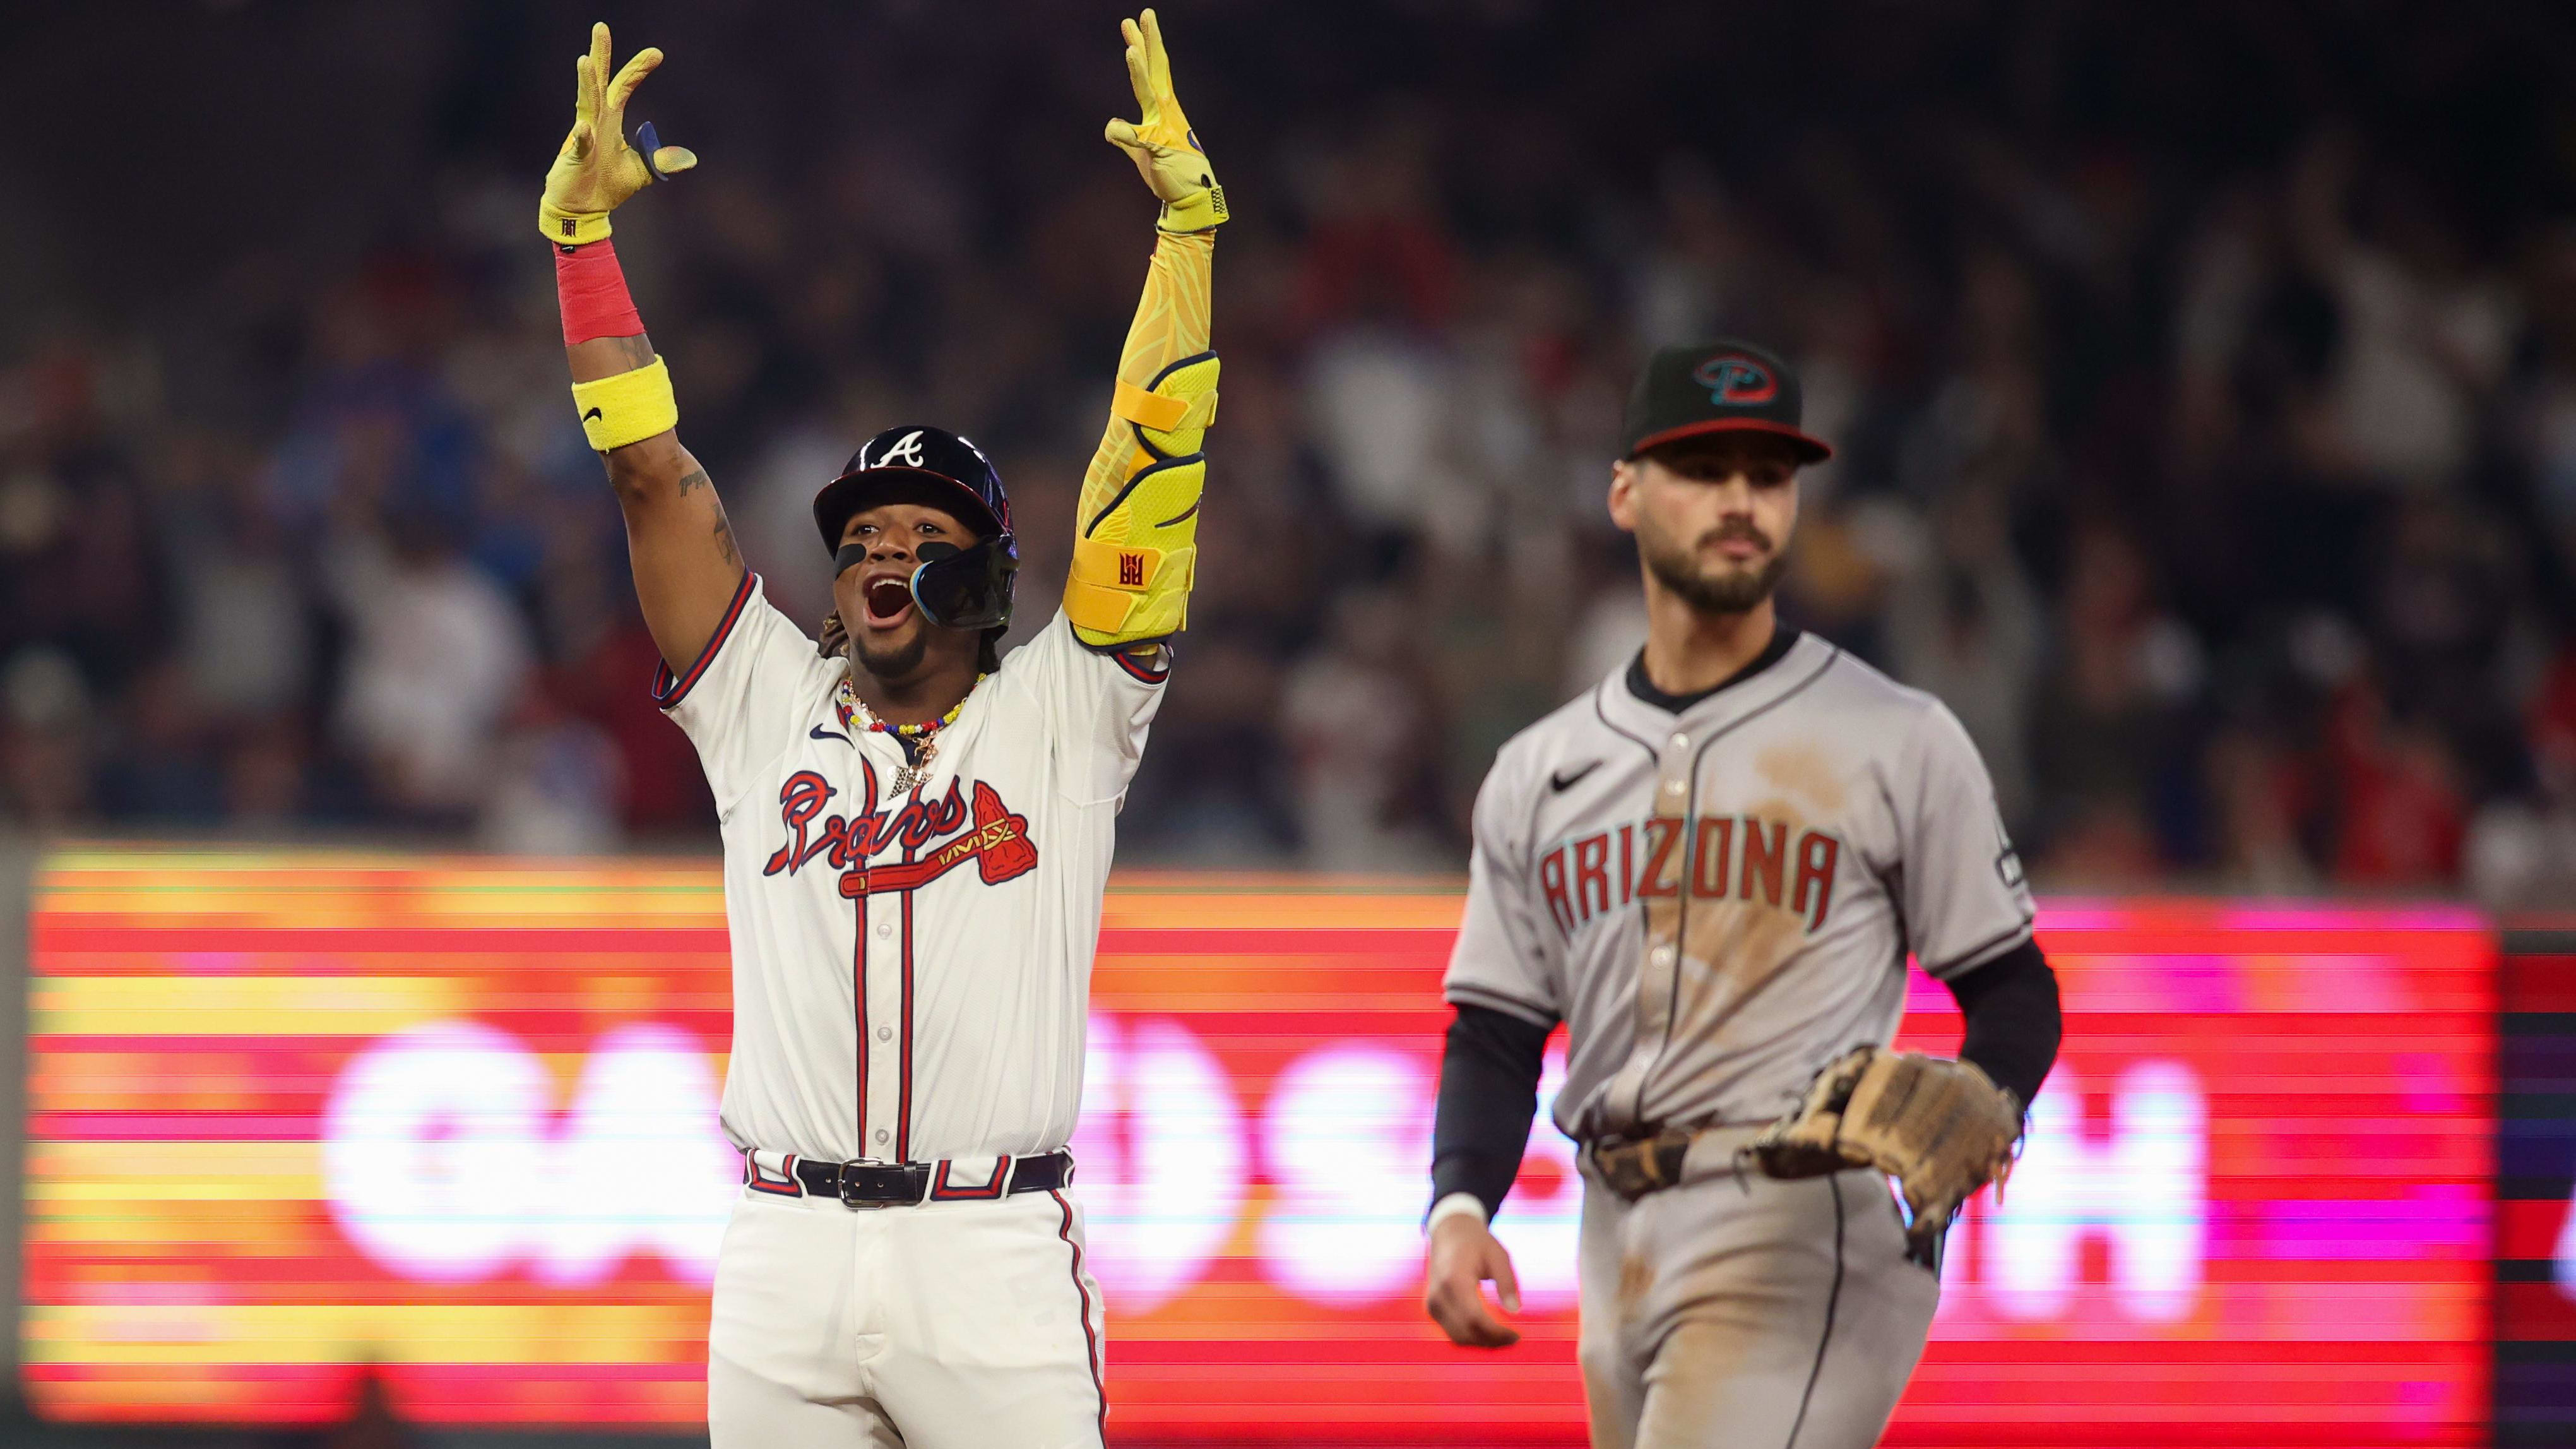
[1804, 770]
[1732, 949]
[1733, 907]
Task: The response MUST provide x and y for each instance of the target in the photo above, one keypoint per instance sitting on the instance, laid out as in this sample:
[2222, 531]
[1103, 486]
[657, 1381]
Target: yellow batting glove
[1164, 148]
[597, 170]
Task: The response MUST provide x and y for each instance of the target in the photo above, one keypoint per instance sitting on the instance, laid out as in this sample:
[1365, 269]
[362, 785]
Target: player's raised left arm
[1136, 531]
[687, 569]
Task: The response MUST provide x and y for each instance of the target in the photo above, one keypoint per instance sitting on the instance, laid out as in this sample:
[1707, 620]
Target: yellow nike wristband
[627, 408]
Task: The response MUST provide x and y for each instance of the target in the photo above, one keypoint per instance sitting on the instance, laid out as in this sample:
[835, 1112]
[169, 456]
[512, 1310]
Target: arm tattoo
[694, 478]
[724, 537]
[635, 352]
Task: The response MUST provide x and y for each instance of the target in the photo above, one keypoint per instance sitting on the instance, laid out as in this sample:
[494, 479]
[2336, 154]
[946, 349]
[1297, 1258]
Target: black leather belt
[883, 1184]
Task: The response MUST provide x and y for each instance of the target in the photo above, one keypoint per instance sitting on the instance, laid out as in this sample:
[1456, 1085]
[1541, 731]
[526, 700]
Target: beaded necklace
[919, 742]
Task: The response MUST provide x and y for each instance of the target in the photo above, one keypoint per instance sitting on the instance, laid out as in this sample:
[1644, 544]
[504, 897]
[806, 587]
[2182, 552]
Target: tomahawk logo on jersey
[912, 971]
[996, 839]
[917, 832]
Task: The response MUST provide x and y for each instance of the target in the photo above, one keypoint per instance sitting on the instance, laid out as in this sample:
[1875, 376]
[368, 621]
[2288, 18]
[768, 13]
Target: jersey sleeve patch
[670, 689]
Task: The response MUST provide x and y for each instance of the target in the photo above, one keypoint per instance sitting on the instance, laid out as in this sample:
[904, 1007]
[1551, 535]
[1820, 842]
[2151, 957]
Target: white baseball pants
[950, 1325]
[1744, 1313]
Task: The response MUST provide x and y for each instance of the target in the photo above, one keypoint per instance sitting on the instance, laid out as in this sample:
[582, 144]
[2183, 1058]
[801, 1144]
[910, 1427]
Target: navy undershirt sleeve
[2013, 1022]
[1489, 1075]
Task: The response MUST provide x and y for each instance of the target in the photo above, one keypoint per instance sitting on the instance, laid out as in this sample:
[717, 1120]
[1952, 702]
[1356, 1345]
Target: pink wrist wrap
[592, 288]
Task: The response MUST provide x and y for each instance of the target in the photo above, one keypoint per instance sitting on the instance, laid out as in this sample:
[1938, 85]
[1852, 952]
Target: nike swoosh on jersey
[1561, 782]
[820, 733]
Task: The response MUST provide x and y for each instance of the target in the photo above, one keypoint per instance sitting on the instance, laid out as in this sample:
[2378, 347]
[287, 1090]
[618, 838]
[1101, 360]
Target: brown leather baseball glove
[1941, 1128]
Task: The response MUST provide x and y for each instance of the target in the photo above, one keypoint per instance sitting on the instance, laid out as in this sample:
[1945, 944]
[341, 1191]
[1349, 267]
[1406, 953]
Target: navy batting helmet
[967, 588]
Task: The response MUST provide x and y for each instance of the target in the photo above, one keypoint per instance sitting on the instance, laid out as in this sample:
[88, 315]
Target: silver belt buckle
[847, 1181]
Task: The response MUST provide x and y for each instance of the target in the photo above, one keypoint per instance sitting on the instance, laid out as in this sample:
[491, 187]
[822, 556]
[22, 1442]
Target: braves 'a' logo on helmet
[906, 450]
[1735, 380]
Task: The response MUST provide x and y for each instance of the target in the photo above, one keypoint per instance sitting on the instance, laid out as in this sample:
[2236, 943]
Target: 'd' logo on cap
[1736, 380]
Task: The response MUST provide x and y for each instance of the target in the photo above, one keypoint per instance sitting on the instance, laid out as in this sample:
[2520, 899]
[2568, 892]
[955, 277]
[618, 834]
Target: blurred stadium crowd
[2205, 377]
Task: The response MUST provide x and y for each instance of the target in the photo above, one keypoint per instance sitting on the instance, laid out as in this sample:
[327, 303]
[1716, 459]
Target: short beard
[1735, 592]
[899, 663]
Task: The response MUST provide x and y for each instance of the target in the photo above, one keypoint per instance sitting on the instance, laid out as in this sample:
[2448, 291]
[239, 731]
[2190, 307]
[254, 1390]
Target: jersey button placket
[1662, 957]
[885, 1013]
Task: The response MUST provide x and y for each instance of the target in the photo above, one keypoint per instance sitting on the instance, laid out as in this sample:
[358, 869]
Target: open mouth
[887, 599]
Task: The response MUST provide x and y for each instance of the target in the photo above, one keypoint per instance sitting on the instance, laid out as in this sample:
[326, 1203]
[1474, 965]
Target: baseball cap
[915, 464]
[1724, 386]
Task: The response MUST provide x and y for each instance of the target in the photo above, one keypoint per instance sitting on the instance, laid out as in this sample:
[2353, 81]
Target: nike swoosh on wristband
[593, 413]
[1561, 782]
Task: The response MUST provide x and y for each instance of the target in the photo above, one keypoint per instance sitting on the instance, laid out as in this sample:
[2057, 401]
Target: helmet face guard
[955, 588]
[966, 588]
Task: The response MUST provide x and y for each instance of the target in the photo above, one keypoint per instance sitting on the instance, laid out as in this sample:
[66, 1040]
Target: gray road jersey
[1719, 902]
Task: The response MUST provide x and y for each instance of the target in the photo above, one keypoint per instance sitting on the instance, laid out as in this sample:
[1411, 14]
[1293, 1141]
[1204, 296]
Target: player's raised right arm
[687, 568]
[1135, 547]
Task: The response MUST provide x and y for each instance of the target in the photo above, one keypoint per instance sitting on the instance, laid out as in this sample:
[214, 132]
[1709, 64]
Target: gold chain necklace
[919, 742]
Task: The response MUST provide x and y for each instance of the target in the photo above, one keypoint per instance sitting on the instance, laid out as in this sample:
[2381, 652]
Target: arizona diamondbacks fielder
[916, 835]
[1712, 867]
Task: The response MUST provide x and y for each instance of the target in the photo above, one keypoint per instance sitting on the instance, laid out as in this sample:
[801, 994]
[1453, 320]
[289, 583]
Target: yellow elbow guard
[627, 408]
[1133, 563]
[1172, 413]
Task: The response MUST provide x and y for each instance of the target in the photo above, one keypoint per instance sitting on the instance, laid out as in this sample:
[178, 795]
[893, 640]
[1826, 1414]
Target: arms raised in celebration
[677, 539]
[1136, 530]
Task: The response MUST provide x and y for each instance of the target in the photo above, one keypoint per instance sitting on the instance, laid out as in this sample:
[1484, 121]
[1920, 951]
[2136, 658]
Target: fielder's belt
[904, 1184]
[1635, 1166]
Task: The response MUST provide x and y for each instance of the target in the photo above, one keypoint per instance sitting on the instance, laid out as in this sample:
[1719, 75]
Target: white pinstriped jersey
[911, 974]
[1719, 902]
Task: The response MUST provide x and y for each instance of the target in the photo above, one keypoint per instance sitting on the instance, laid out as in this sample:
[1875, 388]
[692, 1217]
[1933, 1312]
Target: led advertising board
[297, 1118]
[2536, 1187]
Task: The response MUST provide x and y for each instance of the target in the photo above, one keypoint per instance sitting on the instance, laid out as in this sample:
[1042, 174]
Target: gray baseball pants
[1736, 1312]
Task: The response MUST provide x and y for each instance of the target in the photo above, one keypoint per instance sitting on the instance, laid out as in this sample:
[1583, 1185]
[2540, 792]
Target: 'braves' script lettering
[935, 836]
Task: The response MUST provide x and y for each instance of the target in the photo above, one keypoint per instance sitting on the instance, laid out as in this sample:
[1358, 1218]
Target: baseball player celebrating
[916, 836]
[1712, 867]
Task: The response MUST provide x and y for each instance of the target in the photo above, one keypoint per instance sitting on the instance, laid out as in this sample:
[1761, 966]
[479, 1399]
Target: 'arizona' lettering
[1712, 857]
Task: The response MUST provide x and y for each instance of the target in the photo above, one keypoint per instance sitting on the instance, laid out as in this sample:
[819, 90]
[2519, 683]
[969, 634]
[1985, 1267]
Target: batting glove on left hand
[597, 169]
